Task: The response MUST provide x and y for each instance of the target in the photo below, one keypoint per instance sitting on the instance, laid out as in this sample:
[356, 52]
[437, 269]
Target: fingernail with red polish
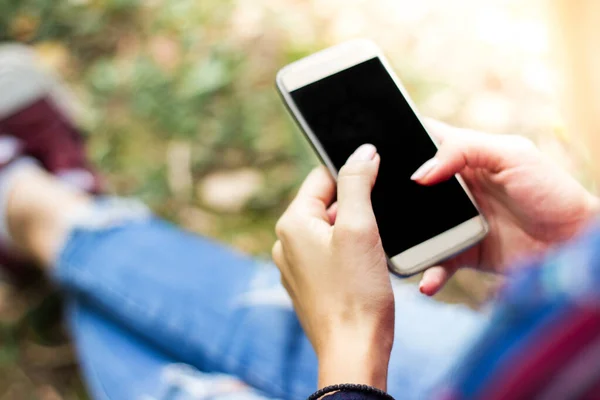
[366, 152]
[425, 169]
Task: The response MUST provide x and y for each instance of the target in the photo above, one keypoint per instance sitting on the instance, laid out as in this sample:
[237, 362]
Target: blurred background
[177, 98]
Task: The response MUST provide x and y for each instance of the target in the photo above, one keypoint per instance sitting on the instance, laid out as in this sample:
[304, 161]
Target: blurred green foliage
[155, 73]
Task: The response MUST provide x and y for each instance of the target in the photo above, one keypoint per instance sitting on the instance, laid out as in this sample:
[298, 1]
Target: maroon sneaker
[46, 134]
[31, 112]
[32, 123]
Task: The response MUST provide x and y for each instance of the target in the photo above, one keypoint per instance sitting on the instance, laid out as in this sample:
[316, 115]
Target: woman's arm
[332, 261]
[355, 357]
[342, 291]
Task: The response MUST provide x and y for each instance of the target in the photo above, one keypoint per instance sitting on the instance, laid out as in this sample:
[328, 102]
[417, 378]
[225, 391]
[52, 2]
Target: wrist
[352, 356]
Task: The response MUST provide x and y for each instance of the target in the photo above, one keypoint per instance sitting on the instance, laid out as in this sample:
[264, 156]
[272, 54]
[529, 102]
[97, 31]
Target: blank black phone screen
[362, 104]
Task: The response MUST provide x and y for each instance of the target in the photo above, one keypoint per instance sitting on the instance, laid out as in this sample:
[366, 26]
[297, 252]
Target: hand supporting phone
[348, 95]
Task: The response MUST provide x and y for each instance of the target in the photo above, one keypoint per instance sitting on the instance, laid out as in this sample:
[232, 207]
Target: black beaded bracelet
[349, 387]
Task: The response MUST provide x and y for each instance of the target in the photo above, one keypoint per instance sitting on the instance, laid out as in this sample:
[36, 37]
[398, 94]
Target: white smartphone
[348, 95]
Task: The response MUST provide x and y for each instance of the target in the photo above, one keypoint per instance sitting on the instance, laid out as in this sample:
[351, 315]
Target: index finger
[318, 189]
[438, 130]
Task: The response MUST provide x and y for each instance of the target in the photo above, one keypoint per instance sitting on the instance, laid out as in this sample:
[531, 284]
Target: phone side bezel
[362, 44]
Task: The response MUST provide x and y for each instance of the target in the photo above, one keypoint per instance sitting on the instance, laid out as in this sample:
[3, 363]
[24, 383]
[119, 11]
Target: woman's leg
[143, 295]
[117, 364]
[196, 302]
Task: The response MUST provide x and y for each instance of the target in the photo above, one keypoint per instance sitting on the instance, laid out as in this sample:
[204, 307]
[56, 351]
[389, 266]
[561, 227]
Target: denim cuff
[105, 213]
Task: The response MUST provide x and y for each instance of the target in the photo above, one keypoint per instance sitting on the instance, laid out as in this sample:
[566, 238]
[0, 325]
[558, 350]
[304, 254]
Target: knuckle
[279, 227]
[524, 143]
[451, 147]
[353, 170]
[355, 228]
[454, 142]
[517, 141]
[521, 145]
[348, 229]
[282, 227]
[363, 235]
[277, 254]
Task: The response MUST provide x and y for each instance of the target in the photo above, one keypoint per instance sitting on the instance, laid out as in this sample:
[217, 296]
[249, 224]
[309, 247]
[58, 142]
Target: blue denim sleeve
[543, 338]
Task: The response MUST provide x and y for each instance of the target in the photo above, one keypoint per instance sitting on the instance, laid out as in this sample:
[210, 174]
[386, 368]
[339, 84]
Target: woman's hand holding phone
[335, 270]
[334, 267]
[530, 203]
